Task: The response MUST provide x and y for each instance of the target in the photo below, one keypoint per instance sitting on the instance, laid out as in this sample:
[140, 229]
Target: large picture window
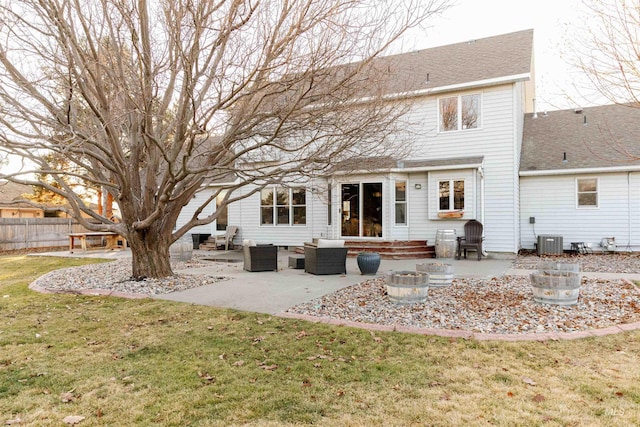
[283, 206]
[451, 195]
[459, 112]
[587, 190]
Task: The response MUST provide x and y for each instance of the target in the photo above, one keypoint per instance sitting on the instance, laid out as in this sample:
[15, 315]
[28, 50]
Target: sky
[554, 22]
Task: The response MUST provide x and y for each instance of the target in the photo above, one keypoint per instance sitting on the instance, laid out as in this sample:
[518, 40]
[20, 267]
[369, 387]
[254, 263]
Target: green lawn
[119, 362]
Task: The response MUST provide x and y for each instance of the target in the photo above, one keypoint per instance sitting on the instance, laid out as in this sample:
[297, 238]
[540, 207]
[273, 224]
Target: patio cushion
[330, 243]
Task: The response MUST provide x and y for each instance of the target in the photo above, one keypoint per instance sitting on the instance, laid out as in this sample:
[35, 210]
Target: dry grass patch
[149, 362]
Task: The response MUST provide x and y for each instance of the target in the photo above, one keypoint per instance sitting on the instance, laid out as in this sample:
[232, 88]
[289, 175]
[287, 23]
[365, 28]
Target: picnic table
[110, 237]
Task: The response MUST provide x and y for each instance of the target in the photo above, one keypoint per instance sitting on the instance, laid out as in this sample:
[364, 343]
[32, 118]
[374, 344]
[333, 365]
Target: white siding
[497, 140]
[188, 211]
[552, 201]
[519, 111]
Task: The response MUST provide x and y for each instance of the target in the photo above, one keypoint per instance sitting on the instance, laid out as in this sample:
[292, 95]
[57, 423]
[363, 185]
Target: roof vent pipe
[535, 112]
[585, 120]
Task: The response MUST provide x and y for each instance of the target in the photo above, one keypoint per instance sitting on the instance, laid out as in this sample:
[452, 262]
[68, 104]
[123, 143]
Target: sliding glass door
[362, 209]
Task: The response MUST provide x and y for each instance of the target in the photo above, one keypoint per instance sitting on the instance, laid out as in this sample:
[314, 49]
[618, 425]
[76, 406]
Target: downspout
[481, 172]
[629, 211]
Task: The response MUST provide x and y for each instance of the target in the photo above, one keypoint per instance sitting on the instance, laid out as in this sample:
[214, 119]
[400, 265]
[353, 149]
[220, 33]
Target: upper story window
[587, 192]
[401, 202]
[459, 112]
[451, 195]
[283, 206]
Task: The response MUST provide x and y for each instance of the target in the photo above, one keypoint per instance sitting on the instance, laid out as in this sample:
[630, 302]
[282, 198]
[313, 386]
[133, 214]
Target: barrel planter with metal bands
[407, 287]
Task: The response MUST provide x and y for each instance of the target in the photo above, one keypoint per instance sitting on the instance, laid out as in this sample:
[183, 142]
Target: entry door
[362, 210]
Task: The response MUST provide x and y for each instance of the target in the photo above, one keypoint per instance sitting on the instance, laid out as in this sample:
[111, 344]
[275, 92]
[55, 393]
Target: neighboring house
[580, 176]
[10, 207]
[468, 106]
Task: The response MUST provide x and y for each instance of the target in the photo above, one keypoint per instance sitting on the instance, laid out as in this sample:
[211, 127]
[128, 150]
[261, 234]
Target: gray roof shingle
[497, 57]
[475, 63]
[609, 139]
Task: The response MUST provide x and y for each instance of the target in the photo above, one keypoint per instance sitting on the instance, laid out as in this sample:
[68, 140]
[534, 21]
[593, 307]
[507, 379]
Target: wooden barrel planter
[446, 244]
[440, 275]
[559, 266]
[556, 287]
[407, 287]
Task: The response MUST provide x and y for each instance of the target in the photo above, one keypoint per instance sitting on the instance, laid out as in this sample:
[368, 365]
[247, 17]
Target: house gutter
[629, 209]
[430, 91]
[481, 172]
[581, 171]
[405, 170]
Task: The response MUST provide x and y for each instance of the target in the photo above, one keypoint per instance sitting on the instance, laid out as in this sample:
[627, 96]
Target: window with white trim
[283, 206]
[401, 202]
[459, 112]
[450, 195]
[587, 192]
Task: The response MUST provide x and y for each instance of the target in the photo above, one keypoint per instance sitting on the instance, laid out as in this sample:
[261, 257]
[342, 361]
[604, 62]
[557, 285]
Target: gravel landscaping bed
[499, 306]
[116, 277]
[615, 262]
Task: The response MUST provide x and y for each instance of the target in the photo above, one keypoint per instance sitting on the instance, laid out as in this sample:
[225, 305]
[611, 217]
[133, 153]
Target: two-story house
[468, 106]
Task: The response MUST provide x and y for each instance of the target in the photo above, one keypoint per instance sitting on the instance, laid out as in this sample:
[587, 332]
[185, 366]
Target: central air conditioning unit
[608, 244]
[549, 245]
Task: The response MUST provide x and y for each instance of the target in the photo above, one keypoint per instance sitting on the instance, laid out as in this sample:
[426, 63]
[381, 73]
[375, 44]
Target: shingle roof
[377, 164]
[490, 58]
[10, 191]
[448, 162]
[475, 63]
[609, 139]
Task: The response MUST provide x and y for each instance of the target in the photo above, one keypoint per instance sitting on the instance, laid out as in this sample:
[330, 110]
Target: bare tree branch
[150, 100]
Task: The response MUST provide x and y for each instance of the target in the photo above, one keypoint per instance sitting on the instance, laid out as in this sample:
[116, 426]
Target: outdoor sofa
[325, 256]
[260, 257]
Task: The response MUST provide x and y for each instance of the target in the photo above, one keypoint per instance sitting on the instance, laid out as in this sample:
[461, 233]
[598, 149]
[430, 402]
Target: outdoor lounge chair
[260, 257]
[325, 257]
[226, 239]
[472, 239]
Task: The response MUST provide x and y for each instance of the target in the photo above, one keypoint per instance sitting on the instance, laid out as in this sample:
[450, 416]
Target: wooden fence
[23, 233]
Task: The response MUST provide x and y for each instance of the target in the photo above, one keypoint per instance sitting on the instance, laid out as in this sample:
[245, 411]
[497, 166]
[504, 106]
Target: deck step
[392, 249]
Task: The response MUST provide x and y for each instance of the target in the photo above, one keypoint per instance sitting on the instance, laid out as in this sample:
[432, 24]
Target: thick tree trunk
[150, 252]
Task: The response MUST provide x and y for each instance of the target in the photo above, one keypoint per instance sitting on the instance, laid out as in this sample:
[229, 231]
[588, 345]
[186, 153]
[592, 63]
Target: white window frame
[452, 182]
[404, 202]
[578, 192]
[458, 127]
[290, 206]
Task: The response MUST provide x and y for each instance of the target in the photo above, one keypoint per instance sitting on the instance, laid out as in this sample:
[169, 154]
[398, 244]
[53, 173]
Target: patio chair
[260, 257]
[325, 257]
[226, 239]
[472, 239]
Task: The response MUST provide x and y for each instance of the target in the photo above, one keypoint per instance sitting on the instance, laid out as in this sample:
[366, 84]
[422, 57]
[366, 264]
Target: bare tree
[609, 51]
[152, 99]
